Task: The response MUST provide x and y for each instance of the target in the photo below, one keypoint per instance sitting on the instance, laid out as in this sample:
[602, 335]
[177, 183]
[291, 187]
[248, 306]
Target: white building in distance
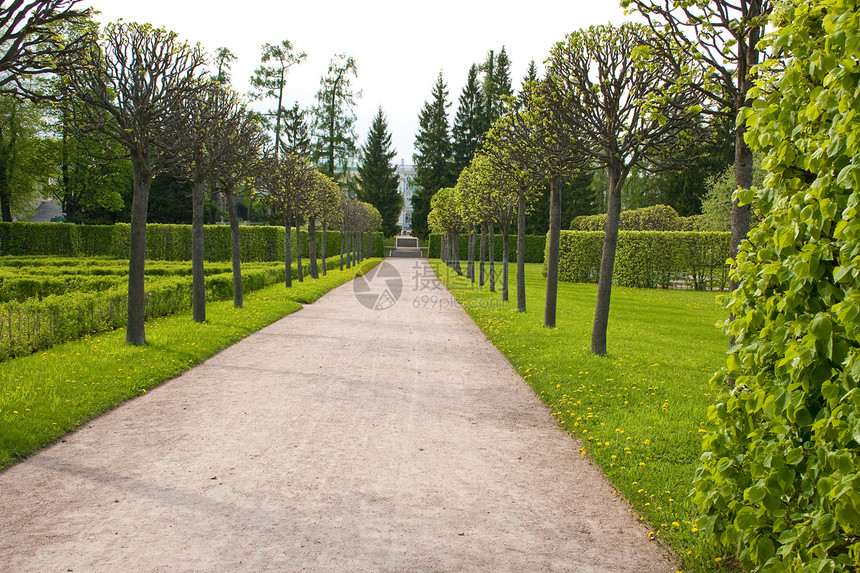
[407, 189]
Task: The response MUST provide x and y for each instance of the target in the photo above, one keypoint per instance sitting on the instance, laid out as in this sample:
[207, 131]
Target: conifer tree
[496, 85]
[468, 128]
[377, 177]
[433, 158]
[334, 120]
[269, 81]
[531, 75]
[297, 135]
[502, 78]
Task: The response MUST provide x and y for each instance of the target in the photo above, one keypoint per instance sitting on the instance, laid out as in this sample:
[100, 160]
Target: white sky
[399, 48]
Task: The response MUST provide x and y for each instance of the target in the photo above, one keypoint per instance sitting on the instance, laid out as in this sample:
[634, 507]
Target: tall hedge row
[535, 247]
[649, 259]
[163, 242]
[654, 218]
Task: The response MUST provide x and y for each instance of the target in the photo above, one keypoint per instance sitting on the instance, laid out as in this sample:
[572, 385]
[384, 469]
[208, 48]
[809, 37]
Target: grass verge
[48, 394]
[641, 410]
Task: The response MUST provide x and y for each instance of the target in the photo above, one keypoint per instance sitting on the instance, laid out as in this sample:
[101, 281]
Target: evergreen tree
[433, 158]
[297, 134]
[531, 74]
[468, 123]
[488, 90]
[269, 81]
[377, 178]
[334, 120]
[502, 78]
[496, 85]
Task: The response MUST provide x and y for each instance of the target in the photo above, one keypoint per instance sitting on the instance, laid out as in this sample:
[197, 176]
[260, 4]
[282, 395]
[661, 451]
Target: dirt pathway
[338, 439]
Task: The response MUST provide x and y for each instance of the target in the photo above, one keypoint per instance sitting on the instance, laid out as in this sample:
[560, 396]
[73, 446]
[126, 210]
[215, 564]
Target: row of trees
[620, 102]
[140, 94]
[42, 153]
[443, 150]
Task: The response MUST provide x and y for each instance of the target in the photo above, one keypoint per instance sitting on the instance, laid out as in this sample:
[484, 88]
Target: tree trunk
[521, 251]
[6, 151]
[741, 215]
[236, 249]
[506, 237]
[369, 244]
[470, 266]
[288, 251]
[198, 284]
[492, 256]
[322, 248]
[342, 247]
[552, 252]
[455, 244]
[349, 251]
[301, 273]
[482, 250]
[71, 204]
[360, 247]
[135, 333]
[607, 264]
[312, 247]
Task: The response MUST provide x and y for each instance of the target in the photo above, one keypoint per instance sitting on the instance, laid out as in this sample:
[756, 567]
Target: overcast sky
[399, 48]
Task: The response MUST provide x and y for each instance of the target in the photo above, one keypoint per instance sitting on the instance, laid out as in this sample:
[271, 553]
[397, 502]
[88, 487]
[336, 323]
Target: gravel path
[340, 438]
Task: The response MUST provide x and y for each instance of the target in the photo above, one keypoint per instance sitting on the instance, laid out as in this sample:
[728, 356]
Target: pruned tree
[599, 93]
[32, 45]
[722, 37]
[352, 223]
[487, 193]
[269, 81]
[240, 152]
[445, 218]
[132, 87]
[511, 145]
[279, 183]
[208, 120]
[555, 159]
[325, 208]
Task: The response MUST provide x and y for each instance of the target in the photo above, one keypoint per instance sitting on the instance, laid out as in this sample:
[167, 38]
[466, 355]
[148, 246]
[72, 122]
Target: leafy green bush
[653, 218]
[779, 482]
[648, 259]
[535, 247]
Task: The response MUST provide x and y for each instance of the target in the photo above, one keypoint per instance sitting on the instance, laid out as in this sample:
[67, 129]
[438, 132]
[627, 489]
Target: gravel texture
[341, 438]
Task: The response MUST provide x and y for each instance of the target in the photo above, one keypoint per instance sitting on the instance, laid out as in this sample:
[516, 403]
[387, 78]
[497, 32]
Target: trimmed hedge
[30, 325]
[163, 242]
[654, 218]
[535, 247]
[649, 259]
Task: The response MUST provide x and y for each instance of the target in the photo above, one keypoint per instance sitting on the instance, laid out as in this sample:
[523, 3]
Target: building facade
[406, 186]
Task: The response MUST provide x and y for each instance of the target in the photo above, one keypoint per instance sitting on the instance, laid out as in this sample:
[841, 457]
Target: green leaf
[755, 493]
[794, 456]
[764, 550]
[746, 518]
[821, 327]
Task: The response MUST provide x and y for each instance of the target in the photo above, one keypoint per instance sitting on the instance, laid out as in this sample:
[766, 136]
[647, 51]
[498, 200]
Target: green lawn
[641, 410]
[45, 395]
